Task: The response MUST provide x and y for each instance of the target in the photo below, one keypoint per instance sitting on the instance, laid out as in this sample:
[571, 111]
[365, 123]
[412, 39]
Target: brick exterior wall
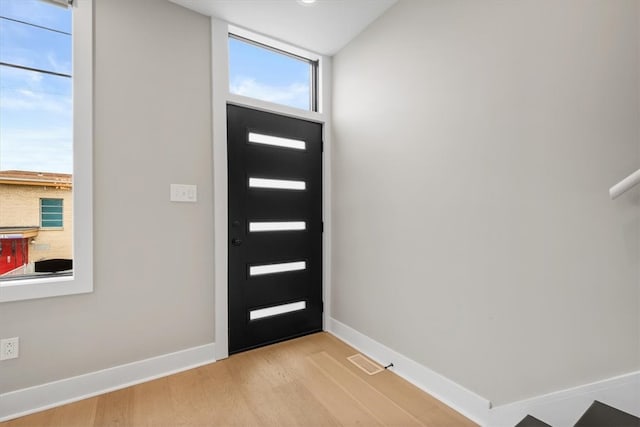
[20, 207]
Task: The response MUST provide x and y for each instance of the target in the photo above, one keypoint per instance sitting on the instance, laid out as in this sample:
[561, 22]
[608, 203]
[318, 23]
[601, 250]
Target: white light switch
[184, 193]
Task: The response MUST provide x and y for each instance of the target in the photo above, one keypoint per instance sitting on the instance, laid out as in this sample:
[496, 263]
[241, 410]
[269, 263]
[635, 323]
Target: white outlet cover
[9, 348]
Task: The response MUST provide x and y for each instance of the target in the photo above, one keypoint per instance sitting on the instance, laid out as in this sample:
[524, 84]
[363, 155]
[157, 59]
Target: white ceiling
[324, 27]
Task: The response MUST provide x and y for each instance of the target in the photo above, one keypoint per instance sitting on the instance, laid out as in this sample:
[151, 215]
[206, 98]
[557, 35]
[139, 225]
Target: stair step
[600, 415]
[530, 421]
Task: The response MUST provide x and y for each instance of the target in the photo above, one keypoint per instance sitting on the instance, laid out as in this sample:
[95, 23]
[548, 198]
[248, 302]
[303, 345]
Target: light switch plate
[184, 193]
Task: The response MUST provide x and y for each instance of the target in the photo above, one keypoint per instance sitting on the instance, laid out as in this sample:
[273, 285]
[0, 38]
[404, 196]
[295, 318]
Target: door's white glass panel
[280, 184]
[277, 309]
[277, 226]
[283, 267]
[258, 138]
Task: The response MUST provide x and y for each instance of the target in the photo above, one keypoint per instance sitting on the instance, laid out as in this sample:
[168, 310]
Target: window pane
[36, 116]
[51, 213]
[265, 74]
[36, 148]
[278, 184]
[283, 267]
[37, 12]
[258, 138]
[34, 47]
[52, 202]
[277, 310]
[277, 226]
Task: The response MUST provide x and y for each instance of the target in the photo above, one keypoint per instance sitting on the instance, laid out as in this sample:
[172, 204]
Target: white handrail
[625, 184]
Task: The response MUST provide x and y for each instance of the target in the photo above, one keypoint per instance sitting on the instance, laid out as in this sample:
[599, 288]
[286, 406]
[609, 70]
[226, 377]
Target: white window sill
[17, 290]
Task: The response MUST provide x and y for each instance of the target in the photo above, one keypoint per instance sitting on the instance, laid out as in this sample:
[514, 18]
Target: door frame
[220, 98]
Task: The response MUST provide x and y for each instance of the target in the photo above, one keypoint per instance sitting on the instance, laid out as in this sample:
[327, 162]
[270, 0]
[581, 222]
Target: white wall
[153, 258]
[474, 146]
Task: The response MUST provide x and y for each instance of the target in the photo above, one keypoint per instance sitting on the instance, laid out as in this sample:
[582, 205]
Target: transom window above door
[273, 75]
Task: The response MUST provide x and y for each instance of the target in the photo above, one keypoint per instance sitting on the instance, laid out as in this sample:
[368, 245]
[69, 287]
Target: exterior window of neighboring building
[51, 213]
[46, 79]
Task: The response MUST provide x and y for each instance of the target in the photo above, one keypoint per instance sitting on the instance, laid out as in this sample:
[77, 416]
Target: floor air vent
[365, 364]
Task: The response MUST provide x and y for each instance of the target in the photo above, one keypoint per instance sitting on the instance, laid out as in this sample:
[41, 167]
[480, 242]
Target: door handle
[236, 241]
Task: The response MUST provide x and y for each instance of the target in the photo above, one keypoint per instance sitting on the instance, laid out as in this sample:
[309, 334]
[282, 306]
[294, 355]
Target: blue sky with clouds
[264, 74]
[35, 108]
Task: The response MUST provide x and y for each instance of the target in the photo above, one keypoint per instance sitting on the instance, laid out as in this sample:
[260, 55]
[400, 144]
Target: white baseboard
[33, 399]
[469, 404]
[560, 409]
[563, 408]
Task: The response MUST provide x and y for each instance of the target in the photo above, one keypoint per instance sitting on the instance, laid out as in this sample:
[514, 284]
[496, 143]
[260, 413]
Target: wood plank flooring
[303, 382]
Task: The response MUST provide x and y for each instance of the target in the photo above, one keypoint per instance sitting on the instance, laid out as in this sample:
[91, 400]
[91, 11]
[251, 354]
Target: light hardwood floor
[303, 382]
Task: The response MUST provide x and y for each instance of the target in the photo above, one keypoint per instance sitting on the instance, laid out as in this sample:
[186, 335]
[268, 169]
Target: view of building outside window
[36, 139]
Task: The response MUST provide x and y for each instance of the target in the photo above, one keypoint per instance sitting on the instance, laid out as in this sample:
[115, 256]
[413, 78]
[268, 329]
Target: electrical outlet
[9, 348]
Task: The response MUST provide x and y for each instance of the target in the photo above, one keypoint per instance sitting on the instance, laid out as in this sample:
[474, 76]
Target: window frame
[81, 281]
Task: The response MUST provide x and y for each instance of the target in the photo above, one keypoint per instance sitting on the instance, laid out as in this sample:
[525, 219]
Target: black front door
[275, 227]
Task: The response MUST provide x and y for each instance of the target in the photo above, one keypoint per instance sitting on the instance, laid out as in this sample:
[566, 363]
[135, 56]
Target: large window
[35, 87]
[45, 143]
[269, 74]
[36, 125]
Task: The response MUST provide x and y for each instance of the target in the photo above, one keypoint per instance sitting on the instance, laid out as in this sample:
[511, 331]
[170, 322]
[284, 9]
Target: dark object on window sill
[53, 265]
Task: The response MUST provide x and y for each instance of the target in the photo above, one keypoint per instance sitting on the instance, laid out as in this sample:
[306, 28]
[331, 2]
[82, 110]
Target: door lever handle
[236, 242]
